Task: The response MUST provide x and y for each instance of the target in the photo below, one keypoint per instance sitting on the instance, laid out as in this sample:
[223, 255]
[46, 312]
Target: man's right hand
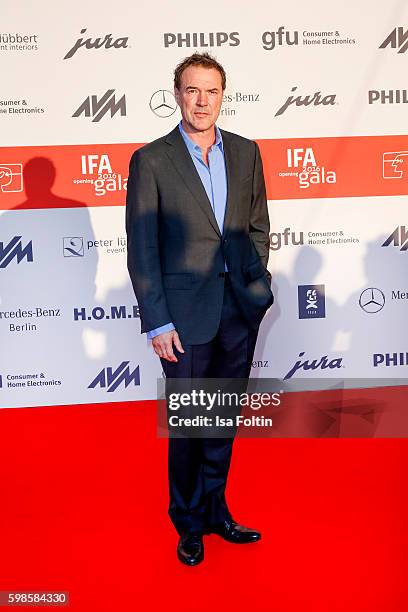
[163, 345]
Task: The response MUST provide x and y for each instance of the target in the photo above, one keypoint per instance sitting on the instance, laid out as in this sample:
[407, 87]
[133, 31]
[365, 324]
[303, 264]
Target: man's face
[199, 97]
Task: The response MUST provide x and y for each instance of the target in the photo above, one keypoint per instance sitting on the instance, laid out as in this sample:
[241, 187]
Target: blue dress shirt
[214, 180]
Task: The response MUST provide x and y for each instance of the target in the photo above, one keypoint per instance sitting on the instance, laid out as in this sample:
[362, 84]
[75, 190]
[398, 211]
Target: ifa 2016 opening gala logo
[304, 168]
[98, 173]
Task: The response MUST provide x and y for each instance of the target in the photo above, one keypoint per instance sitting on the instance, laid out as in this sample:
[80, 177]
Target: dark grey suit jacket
[175, 249]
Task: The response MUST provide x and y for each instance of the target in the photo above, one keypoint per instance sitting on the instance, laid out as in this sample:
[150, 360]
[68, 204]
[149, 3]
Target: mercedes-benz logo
[163, 103]
[372, 300]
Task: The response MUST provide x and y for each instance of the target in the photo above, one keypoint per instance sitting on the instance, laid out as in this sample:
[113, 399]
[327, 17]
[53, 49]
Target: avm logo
[15, 249]
[398, 39]
[92, 107]
[398, 238]
[112, 379]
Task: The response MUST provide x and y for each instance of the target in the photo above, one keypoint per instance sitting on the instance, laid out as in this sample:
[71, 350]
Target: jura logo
[280, 37]
[201, 39]
[316, 100]
[323, 364]
[92, 107]
[108, 42]
[398, 238]
[398, 39]
[276, 239]
[112, 379]
[15, 249]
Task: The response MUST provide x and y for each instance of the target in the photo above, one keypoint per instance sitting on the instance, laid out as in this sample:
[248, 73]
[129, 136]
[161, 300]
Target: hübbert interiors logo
[18, 42]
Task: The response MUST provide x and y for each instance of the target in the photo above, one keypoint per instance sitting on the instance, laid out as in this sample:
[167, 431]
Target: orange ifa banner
[96, 175]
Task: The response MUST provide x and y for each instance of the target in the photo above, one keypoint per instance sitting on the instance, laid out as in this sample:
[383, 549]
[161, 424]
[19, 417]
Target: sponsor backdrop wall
[320, 87]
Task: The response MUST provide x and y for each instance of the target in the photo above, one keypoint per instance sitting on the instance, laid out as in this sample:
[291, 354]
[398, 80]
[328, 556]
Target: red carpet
[332, 512]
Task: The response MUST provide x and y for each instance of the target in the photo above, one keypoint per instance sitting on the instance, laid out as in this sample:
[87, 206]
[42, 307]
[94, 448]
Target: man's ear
[177, 95]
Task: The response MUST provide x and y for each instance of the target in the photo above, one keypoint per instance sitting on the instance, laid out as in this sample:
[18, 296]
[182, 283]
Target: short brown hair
[199, 59]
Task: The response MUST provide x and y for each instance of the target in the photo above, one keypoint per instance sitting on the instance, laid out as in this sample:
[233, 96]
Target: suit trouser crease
[198, 467]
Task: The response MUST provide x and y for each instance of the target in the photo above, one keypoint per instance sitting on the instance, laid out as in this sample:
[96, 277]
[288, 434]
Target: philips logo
[388, 96]
[15, 249]
[200, 39]
[390, 359]
[92, 107]
[110, 379]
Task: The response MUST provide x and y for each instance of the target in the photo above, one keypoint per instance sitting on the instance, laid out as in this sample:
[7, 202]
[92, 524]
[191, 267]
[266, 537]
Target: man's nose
[202, 99]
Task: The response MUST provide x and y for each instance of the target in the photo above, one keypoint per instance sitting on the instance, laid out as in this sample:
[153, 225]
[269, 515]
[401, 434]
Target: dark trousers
[198, 467]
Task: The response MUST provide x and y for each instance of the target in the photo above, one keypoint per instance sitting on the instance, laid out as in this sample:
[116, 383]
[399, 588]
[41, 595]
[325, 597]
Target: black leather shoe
[235, 533]
[190, 549]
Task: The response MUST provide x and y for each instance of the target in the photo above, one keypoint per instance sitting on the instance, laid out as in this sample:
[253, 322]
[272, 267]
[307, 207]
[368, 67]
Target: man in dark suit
[198, 245]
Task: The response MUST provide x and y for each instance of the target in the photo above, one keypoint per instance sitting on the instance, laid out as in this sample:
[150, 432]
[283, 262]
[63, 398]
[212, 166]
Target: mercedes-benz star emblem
[372, 300]
[163, 103]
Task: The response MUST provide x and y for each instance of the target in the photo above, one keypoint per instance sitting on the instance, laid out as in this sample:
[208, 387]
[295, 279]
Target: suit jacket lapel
[231, 164]
[181, 159]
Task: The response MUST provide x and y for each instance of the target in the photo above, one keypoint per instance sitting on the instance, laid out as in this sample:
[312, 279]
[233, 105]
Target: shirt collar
[195, 148]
